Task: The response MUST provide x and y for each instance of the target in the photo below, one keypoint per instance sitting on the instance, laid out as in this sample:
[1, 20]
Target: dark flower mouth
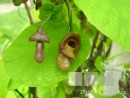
[72, 43]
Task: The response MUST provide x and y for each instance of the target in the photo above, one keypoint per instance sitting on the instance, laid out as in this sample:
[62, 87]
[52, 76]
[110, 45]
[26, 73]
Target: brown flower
[40, 37]
[68, 49]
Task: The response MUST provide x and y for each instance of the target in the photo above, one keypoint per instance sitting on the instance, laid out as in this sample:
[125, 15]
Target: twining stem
[94, 44]
[108, 51]
[32, 90]
[29, 13]
[83, 71]
[69, 14]
[100, 47]
[91, 59]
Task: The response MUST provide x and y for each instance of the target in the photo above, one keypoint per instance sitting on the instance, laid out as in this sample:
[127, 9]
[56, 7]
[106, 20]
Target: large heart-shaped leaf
[111, 17]
[4, 79]
[19, 57]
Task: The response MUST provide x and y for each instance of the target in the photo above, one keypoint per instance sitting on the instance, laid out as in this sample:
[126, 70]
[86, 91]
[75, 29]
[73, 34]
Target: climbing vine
[64, 44]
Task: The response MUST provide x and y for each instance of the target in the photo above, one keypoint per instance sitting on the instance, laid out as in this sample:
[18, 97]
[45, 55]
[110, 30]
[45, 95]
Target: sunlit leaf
[111, 17]
[4, 79]
[19, 57]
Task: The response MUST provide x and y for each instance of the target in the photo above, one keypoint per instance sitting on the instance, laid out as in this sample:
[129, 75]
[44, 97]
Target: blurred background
[13, 20]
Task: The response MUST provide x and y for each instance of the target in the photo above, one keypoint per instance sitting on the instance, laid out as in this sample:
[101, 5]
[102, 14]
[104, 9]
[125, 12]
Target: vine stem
[83, 71]
[29, 13]
[108, 51]
[94, 44]
[100, 47]
[69, 14]
[32, 90]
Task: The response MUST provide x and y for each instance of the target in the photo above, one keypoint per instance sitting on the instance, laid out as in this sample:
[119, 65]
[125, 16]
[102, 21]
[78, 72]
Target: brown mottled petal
[40, 35]
[63, 62]
[62, 43]
[69, 52]
[39, 55]
[70, 45]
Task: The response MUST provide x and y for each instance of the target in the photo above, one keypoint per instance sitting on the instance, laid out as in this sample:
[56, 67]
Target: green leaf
[46, 11]
[127, 65]
[8, 33]
[60, 93]
[60, 1]
[4, 79]
[12, 85]
[48, 92]
[117, 96]
[57, 2]
[19, 57]
[3, 1]
[11, 94]
[111, 17]
[51, 11]
[56, 15]
[3, 46]
[44, 92]
[98, 63]
[103, 96]
[12, 23]
[2, 39]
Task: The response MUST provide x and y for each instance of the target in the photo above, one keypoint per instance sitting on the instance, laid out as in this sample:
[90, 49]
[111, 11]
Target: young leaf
[46, 11]
[57, 15]
[50, 11]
